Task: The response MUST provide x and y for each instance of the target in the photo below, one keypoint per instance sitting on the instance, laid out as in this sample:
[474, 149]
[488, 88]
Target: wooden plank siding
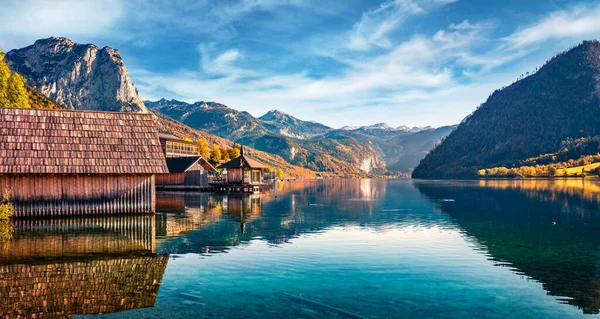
[52, 195]
[170, 179]
[67, 162]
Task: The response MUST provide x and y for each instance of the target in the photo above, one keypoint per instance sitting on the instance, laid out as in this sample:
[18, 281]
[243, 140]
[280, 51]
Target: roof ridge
[72, 110]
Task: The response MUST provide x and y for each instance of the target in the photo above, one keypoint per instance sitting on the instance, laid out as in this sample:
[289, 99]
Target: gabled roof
[36, 141]
[182, 164]
[243, 161]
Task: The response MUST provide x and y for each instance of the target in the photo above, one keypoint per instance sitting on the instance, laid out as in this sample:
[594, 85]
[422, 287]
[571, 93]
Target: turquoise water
[333, 249]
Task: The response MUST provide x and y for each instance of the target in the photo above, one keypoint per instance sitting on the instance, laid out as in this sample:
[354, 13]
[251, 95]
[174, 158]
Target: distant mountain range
[385, 127]
[308, 144]
[529, 118]
[83, 76]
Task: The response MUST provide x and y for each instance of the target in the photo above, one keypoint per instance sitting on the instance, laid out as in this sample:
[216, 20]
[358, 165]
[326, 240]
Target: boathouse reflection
[63, 267]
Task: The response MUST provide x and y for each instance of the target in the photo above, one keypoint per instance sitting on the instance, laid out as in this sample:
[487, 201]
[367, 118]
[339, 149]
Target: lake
[320, 249]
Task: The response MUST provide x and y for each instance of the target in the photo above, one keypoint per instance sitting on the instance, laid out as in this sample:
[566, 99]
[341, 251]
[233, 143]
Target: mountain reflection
[62, 267]
[214, 223]
[546, 230]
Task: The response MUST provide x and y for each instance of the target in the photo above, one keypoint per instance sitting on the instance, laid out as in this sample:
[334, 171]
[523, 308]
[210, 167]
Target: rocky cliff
[78, 76]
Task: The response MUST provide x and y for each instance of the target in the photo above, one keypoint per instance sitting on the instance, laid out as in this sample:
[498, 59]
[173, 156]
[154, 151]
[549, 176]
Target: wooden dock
[216, 187]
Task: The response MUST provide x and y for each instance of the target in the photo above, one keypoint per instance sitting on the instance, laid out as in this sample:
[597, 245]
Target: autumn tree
[234, 152]
[215, 155]
[12, 87]
[203, 148]
[279, 173]
[225, 154]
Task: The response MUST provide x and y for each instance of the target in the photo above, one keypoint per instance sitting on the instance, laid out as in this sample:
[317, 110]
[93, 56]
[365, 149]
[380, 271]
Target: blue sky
[403, 62]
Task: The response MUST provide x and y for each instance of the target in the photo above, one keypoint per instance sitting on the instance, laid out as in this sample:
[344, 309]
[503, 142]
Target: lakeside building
[173, 146]
[67, 162]
[186, 171]
[243, 170]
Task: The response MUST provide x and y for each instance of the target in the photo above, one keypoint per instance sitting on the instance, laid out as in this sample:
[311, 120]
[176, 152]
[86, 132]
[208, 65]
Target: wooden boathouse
[66, 162]
[242, 174]
[185, 173]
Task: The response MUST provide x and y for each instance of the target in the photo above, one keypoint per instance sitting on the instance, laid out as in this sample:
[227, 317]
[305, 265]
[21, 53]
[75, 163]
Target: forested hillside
[14, 91]
[531, 117]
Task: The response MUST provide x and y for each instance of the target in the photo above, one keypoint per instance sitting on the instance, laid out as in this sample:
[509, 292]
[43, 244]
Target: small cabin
[173, 146]
[243, 170]
[186, 171]
[67, 162]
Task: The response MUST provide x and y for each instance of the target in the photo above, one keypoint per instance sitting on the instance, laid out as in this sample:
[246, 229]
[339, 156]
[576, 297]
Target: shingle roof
[182, 164]
[243, 161]
[78, 142]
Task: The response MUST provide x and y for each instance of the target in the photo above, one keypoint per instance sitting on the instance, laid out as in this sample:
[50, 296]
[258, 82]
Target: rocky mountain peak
[275, 115]
[78, 76]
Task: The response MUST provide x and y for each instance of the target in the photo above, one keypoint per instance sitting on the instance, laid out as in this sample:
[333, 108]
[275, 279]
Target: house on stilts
[66, 162]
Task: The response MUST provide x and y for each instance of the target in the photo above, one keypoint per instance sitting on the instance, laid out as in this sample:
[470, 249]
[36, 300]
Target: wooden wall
[234, 175]
[48, 195]
[170, 179]
[194, 176]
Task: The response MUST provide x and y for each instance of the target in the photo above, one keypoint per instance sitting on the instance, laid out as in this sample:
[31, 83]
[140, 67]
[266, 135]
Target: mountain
[371, 149]
[85, 77]
[82, 76]
[379, 127]
[78, 76]
[415, 146]
[528, 118]
[301, 143]
[287, 125]
[166, 124]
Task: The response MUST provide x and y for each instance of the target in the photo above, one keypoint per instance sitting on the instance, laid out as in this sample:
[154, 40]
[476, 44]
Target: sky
[402, 62]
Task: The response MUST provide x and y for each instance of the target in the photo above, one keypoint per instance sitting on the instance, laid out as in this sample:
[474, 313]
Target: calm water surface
[320, 249]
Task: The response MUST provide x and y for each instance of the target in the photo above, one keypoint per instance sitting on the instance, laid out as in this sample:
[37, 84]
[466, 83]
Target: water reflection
[373, 248]
[62, 267]
[222, 221]
[546, 230]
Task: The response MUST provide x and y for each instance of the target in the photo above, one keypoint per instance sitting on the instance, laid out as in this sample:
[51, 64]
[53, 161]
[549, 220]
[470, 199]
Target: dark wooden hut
[243, 170]
[65, 162]
[186, 171]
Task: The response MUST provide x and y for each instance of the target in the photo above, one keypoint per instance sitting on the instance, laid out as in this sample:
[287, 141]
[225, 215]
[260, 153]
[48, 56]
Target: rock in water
[78, 76]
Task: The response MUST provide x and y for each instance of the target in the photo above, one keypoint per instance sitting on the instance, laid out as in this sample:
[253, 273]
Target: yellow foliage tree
[225, 154]
[215, 155]
[12, 87]
[16, 92]
[234, 152]
[203, 148]
[279, 173]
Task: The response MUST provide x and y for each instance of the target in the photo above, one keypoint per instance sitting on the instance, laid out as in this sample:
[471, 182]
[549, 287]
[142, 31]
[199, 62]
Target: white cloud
[26, 21]
[578, 23]
[375, 25]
